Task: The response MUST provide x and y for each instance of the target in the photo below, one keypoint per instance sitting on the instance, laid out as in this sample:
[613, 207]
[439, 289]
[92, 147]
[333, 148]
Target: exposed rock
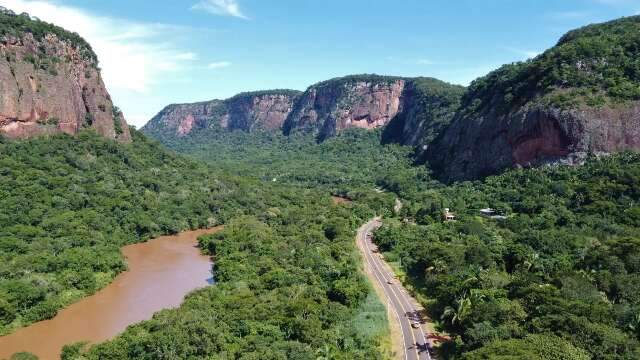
[266, 110]
[51, 86]
[473, 148]
[578, 98]
[361, 101]
[428, 107]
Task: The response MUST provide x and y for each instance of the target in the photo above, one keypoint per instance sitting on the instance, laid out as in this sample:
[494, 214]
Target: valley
[510, 212]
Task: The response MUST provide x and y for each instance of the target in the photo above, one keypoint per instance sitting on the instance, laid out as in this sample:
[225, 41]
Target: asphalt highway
[402, 305]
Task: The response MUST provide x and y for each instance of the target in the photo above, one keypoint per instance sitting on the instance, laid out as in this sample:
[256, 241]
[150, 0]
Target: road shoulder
[397, 343]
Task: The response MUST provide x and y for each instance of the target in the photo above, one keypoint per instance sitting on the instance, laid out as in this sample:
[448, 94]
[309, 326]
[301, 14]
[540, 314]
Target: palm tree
[459, 313]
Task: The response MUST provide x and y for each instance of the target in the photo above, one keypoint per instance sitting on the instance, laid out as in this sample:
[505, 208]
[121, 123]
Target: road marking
[384, 290]
[401, 301]
[368, 229]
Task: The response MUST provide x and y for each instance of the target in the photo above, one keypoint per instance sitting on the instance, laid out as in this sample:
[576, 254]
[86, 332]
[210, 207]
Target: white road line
[401, 300]
[384, 290]
[368, 230]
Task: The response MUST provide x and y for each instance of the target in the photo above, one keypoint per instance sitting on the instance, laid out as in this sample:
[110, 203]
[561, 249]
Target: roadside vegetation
[560, 269]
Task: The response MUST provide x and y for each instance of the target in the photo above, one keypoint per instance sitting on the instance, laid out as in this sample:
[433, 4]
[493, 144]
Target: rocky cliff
[581, 97]
[50, 83]
[264, 110]
[428, 106]
[360, 101]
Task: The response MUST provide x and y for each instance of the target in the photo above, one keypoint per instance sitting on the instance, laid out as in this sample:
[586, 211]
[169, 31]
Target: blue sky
[154, 53]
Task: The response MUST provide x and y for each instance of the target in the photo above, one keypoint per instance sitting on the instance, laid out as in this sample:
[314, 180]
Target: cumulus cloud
[221, 7]
[219, 65]
[135, 57]
[132, 55]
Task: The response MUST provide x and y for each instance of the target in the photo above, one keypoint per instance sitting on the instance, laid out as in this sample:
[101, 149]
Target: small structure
[488, 212]
[448, 215]
[492, 214]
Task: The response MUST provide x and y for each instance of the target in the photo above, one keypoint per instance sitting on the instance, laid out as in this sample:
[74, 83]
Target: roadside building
[448, 215]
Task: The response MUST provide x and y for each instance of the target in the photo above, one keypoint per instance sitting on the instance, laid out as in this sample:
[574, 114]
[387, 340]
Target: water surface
[161, 272]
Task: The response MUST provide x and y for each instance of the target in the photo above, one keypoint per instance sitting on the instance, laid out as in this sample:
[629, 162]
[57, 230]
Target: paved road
[403, 306]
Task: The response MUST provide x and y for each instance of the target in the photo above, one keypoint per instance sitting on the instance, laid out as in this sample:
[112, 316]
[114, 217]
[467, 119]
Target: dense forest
[593, 66]
[554, 276]
[69, 203]
[288, 286]
[557, 265]
[351, 161]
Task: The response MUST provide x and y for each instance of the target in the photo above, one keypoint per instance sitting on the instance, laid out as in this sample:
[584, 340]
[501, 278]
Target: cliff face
[478, 147]
[428, 107]
[247, 112]
[327, 108]
[264, 112]
[50, 85]
[578, 98]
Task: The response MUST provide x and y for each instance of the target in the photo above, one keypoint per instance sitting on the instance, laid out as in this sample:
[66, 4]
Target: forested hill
[578, 98]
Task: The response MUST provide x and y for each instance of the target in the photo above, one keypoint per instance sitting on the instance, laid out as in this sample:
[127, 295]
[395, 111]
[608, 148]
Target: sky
[156, 53]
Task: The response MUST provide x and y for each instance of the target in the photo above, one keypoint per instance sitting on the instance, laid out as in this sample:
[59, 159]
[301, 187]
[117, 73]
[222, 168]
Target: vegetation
[68, 205]
[561, 269]
[592, 66]
[17, 25]
[250, 94]
[287, 287]
[350, 79]
[431, 109]
[351, 161]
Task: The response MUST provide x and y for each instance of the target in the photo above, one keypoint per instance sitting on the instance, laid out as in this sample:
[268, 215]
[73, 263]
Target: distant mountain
[51, 82]
[578, 98]
[262, 110]
[324, 110]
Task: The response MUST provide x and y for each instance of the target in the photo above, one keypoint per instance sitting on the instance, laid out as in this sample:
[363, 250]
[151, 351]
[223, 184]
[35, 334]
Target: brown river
[161, 272]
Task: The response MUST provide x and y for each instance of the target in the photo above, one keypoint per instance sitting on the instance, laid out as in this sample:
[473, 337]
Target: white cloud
[134, 56]
[219, 65]
[221, 7]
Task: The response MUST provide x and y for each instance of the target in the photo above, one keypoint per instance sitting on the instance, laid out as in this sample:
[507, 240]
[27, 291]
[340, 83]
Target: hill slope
[579, 97]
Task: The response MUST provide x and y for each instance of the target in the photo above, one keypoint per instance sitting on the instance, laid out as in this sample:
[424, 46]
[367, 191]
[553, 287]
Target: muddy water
[161, 272]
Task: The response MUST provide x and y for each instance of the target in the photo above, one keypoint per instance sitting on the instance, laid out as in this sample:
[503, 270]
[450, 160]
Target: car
[389, 282]
[415, 324]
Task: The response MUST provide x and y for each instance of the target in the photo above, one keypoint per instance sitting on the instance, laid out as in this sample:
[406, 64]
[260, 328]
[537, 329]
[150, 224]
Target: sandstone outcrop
[579, 98]
[265, 110]
[362, 101]
[51, 85]
[478, 147]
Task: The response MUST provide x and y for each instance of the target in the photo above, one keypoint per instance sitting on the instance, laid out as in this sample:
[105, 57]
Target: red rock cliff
[51, 86]
[265, 110]
[362, 101]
